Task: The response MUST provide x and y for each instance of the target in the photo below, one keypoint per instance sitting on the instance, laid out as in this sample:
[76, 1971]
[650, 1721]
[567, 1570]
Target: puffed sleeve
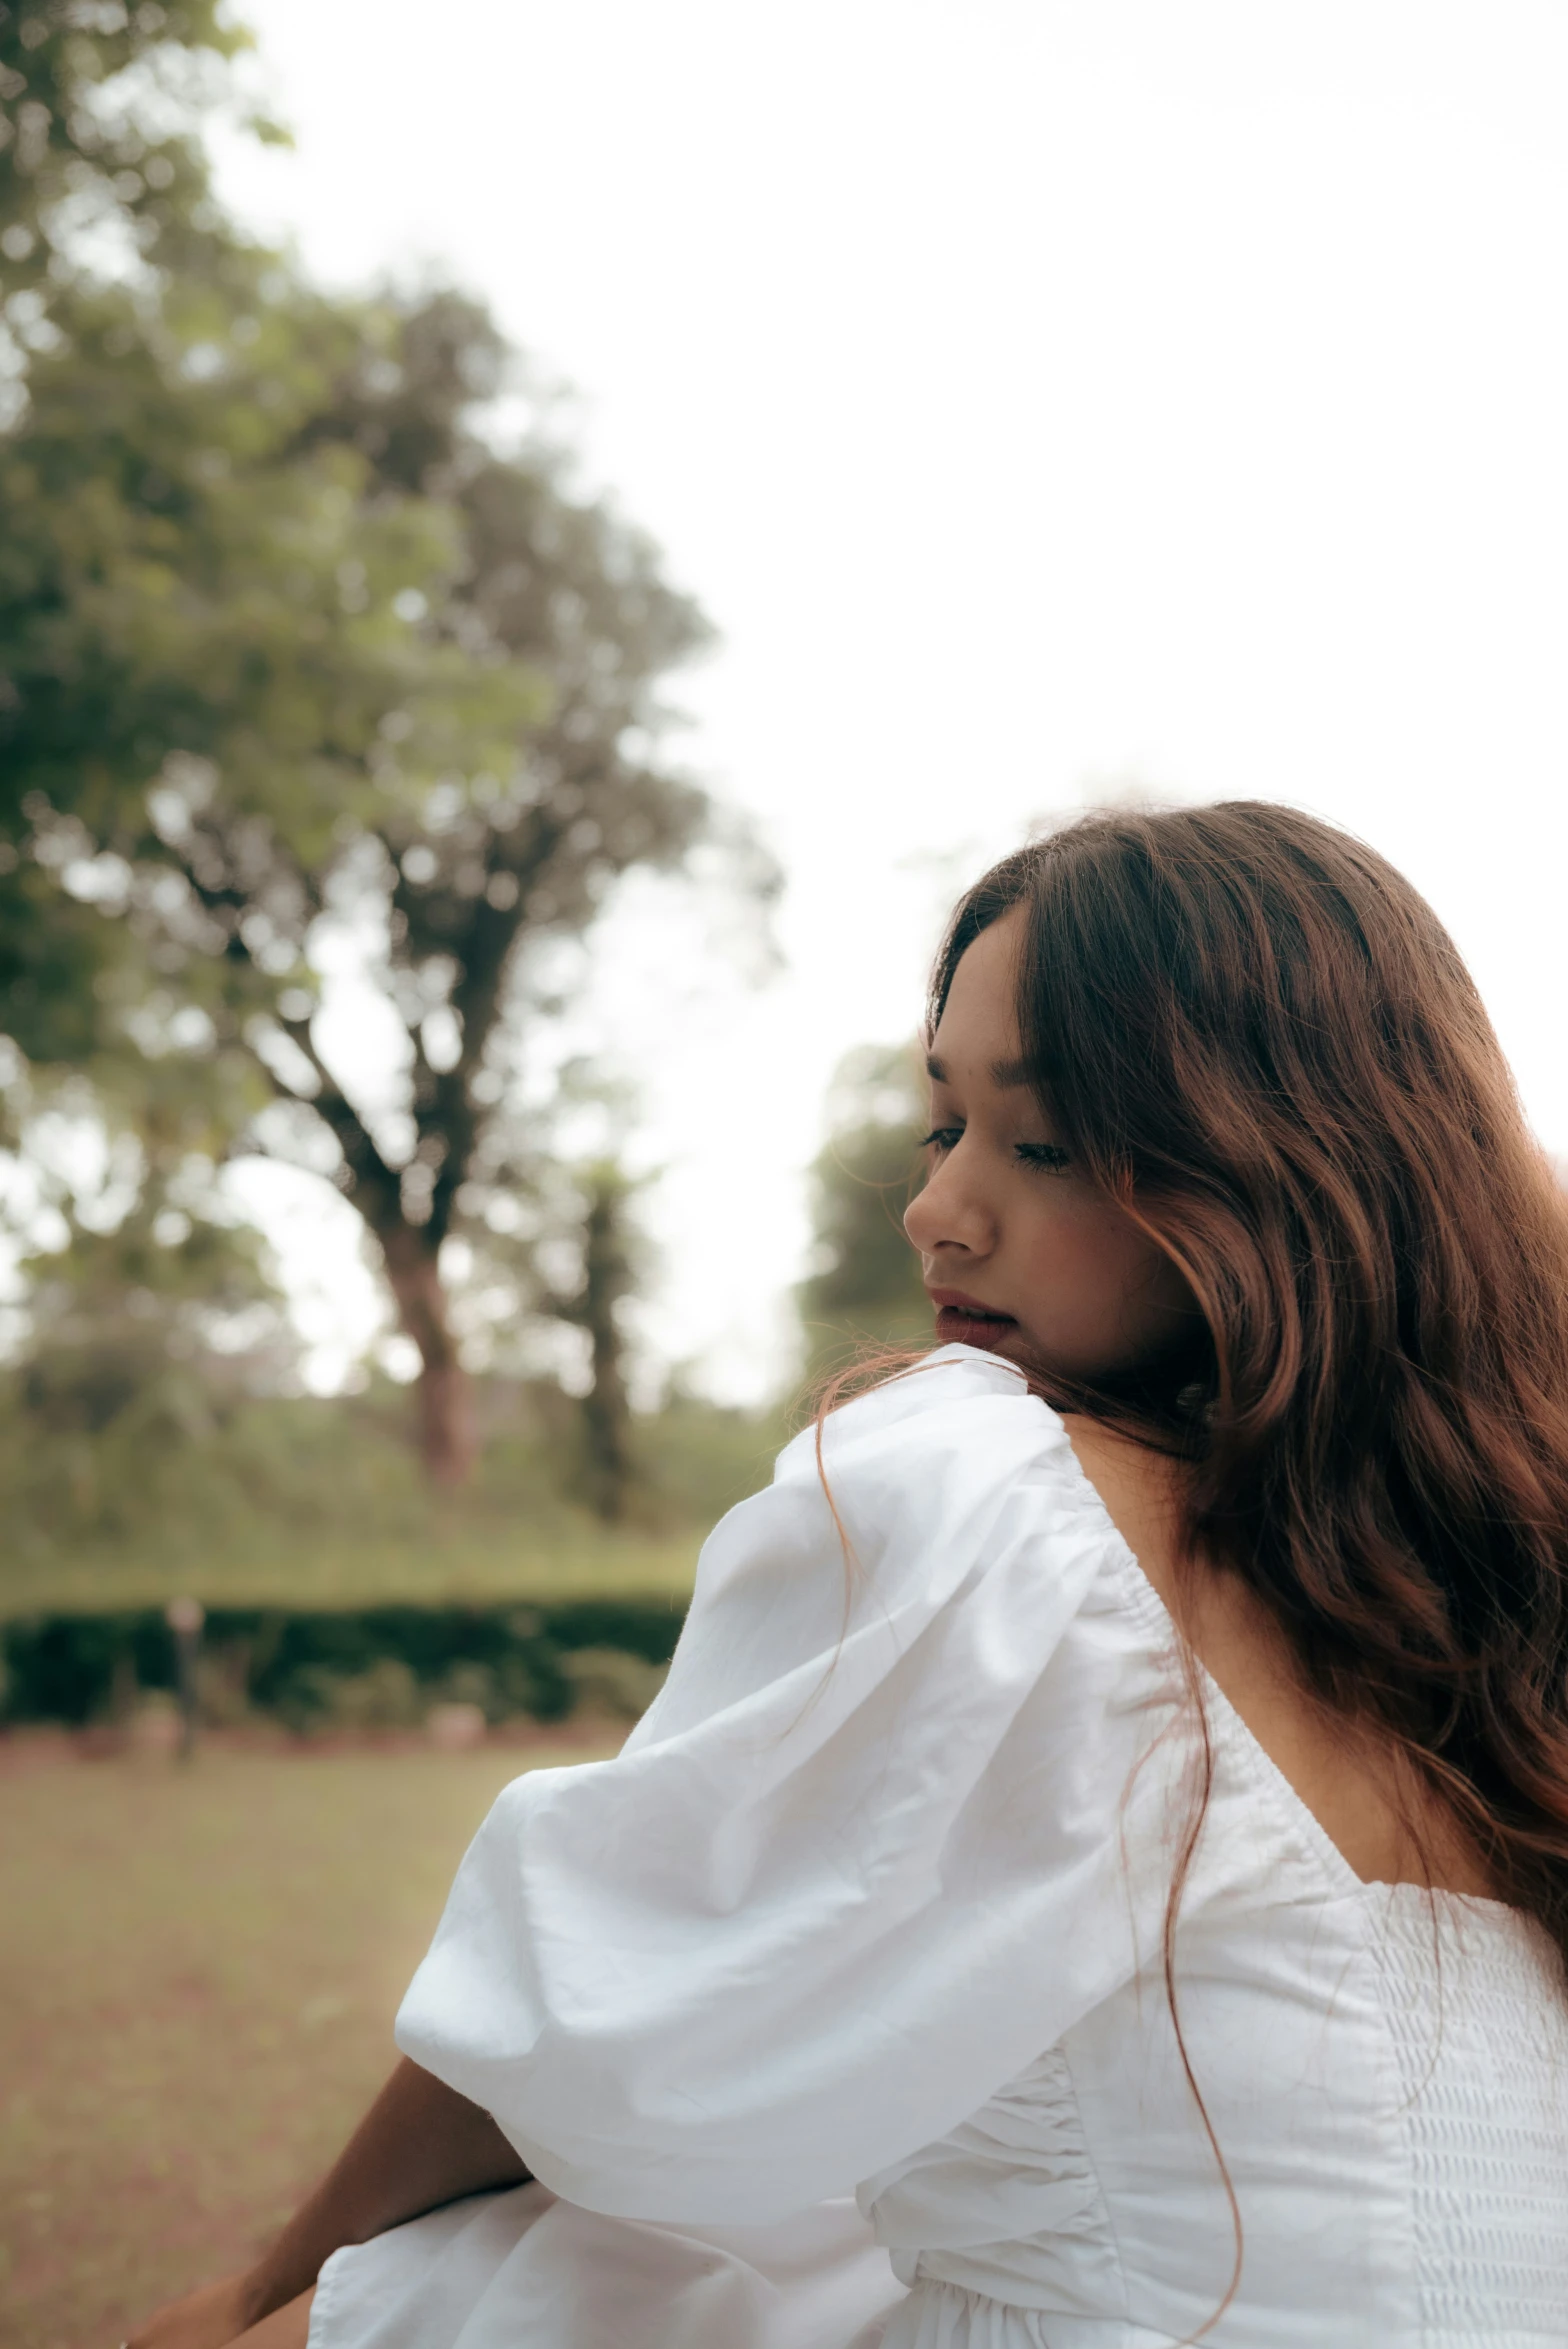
[853, 1870]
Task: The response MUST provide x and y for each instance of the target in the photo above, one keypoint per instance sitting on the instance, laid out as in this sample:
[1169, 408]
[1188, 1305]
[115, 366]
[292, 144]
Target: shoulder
[923, 1459]
[951, 1395]
[934, 1452]
[948, 1494]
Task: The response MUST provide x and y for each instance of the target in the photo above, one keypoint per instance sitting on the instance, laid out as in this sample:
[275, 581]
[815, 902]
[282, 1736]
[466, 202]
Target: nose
[950, 1212]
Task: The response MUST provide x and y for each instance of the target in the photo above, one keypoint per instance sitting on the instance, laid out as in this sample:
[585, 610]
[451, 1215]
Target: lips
[966, 1320]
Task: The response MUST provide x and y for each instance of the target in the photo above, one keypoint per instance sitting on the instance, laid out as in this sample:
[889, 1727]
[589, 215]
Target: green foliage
[301, 1501]
[384, 1696]
[100, 164]
[201, 637]
[864, 1288]
[368, 1668]
[144, 1337]
[291, 649]
[695, 1459]
[608, 1680]
[152, 1315]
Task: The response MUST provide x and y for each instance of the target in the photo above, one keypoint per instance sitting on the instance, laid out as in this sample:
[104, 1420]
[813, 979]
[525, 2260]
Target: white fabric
[872, 1900]
[505, 2270]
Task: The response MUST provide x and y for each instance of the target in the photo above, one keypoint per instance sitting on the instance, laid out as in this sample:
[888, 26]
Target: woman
[1123, 1844]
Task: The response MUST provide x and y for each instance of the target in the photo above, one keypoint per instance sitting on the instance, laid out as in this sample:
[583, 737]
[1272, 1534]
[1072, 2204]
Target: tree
[864, 1287]
[155, 1324]
[205, 641]
[152, 1317]
[289, 652]
[102, 176]
[609, 1277]
[101, 160]
[491, 871]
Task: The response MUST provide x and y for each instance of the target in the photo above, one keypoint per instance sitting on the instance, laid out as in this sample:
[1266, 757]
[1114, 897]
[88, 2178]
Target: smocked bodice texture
[833, 2013]
[1399, 2161]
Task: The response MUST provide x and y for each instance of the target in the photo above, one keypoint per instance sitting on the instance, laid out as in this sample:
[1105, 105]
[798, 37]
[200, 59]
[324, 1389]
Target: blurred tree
[291, 656]
[204, 641]
[553, 1244]
[610, 1254]
[153, 1316]
[864, 1287]
[493, 869]
[103, 178]
[156, 1325]
[101, 159]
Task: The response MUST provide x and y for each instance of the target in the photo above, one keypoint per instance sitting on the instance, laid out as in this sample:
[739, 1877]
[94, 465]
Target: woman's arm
[420, 2144]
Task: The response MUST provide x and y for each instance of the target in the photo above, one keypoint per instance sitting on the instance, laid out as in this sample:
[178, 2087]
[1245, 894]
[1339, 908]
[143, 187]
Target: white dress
[832, 2013]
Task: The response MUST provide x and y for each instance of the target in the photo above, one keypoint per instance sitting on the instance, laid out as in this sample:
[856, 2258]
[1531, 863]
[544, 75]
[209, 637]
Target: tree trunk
[447, 1439]
[606, 1422]
[606, 1279]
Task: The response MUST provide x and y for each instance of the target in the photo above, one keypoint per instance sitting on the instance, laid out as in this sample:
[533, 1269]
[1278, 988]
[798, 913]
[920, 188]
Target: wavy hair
[1258, 1038]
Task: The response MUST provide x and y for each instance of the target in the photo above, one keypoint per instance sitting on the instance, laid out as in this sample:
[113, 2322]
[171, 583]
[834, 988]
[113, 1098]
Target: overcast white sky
[1034, 394]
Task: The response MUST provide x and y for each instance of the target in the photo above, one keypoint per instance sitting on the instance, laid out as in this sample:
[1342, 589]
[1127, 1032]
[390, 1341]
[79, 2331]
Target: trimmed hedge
[303, 1666]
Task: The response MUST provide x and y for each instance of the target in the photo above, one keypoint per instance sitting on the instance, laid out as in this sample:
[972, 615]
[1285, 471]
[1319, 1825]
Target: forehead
[978, 1030]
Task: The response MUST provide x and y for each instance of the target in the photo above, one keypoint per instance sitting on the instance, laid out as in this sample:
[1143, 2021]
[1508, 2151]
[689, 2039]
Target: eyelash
[1047, 1155]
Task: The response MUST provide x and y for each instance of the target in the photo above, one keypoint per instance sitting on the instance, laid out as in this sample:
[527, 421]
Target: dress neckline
[1145, 1601]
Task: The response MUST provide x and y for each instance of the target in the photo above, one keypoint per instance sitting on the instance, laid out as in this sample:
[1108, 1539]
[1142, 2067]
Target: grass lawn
[198, 1973]
[321, 1572]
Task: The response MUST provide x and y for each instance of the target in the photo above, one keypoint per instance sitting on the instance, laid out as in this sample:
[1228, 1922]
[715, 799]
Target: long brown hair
[1257, 1037]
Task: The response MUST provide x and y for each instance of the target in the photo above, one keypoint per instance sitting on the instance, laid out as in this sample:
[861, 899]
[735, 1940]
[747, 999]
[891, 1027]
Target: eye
[1049, 1155]
[943, 1138]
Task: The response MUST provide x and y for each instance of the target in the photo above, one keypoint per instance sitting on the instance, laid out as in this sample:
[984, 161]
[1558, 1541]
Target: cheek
[1099, 1287]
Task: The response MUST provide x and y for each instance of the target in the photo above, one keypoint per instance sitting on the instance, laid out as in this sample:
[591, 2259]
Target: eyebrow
[1002, 1072]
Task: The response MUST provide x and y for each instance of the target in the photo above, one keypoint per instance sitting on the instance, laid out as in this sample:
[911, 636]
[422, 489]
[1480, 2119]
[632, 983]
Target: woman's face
[1020, 1253]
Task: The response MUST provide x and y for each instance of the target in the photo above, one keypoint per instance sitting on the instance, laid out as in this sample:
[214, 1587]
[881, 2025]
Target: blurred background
[539, 547]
